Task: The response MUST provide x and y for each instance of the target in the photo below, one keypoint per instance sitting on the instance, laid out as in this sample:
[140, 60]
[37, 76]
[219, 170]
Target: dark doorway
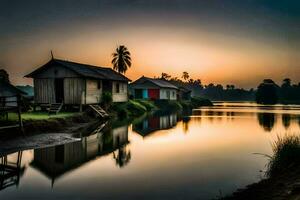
[59, 90]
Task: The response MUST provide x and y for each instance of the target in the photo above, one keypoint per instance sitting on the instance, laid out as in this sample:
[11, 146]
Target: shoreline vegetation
[282, 175]
[37, 122]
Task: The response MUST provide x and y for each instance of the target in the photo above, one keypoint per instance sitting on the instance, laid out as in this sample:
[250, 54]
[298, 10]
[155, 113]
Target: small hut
[71, 83]
[154, 89]
[10, 101]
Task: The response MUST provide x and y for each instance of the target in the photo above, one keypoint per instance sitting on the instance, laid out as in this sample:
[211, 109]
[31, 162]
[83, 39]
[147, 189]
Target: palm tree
[121, 59]
[185, 76]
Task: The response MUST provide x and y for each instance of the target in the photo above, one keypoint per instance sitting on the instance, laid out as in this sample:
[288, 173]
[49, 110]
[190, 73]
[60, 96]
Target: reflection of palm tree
[123, 156]
[286, 120]
[266, 120]
[185, 121]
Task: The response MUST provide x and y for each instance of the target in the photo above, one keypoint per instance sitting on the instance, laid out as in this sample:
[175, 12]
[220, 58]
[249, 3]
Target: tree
[185, 76]
[267, 92]
[4, 75]
[121, 59]
[165, 76]
[286, 82]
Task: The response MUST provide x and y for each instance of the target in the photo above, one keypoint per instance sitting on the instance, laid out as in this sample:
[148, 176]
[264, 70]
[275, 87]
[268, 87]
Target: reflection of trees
[286, 120]
[185, 125]
[122, 157]
[266, 120]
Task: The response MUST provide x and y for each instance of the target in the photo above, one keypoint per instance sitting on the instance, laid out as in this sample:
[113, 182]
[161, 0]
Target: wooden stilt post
[19, 113]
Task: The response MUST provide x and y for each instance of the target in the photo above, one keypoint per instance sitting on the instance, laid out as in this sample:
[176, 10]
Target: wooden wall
[44, 91]
[74, 90]
[93, 93]
[122, 95]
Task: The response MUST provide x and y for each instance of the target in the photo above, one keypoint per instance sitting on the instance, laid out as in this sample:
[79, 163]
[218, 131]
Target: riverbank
[41, 122]
[135, 108]
[281, 187]
[283, 173]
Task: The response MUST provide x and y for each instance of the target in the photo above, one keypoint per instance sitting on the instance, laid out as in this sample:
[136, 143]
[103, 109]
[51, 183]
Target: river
[200, 155]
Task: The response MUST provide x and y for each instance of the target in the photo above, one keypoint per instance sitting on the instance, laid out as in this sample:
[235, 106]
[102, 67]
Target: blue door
[145, 94]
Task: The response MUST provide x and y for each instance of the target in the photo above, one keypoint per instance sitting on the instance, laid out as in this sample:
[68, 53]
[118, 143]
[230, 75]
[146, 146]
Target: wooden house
[60, 81]
[10, 101]
[154, 89]
[183, 92]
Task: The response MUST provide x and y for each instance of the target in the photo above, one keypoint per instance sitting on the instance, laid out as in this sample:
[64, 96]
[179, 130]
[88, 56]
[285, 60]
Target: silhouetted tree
[165, 76]
[185, 76]
[267, 92]
[121, 59]
[4, 75]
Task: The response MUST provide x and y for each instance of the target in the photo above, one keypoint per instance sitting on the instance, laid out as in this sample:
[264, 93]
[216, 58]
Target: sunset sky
[236, 42]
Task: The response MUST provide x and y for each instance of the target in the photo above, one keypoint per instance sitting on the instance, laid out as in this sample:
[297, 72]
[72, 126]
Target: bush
[286, 154]
[107, 100]
[167, 105]
[149, 105]
[135, 108]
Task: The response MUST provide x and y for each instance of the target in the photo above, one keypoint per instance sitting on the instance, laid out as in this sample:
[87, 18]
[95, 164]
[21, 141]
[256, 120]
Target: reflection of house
[60, 81]
[150, 88]
[10, 171]
[154, 123]
[55, 161]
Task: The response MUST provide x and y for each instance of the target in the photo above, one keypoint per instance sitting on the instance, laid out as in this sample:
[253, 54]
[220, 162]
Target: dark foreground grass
[283, 173]
[286, 155]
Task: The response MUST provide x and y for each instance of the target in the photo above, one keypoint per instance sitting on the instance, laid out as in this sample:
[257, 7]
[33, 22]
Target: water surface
[201, 155]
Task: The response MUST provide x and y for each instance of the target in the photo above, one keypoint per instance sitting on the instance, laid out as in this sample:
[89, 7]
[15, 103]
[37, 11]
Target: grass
[286, 155]
[38, 116]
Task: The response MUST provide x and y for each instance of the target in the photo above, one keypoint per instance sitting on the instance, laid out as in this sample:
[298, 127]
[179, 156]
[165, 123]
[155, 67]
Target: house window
[99, 85]
[117, 88]
[173, 94]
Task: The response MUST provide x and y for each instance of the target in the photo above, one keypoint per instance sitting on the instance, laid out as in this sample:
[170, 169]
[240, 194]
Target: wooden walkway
[99, 111]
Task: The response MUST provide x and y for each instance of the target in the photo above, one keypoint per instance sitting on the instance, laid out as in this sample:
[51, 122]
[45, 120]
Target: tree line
[214, 92]
[268, 92]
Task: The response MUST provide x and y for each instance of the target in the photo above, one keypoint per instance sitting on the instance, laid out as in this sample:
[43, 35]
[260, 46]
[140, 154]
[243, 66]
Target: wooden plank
[7, 127]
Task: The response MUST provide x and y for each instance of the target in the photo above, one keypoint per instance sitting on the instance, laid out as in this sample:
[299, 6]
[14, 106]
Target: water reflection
[185, 124]
[55, 161]
[11, 170]
[151, 124]
[266, 120]
[192, 161]
[286, 120]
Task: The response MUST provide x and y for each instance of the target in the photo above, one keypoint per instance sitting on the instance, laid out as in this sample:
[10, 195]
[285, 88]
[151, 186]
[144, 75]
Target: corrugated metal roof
[84, 70]
[159, 82]
[8, 89]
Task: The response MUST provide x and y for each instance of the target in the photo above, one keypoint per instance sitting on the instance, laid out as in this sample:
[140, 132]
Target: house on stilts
[70, 83]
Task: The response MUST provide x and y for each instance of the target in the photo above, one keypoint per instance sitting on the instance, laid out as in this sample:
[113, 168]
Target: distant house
[154, 89]
[9, 95]
[10, 101]
[183, 93]
[67, 82]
